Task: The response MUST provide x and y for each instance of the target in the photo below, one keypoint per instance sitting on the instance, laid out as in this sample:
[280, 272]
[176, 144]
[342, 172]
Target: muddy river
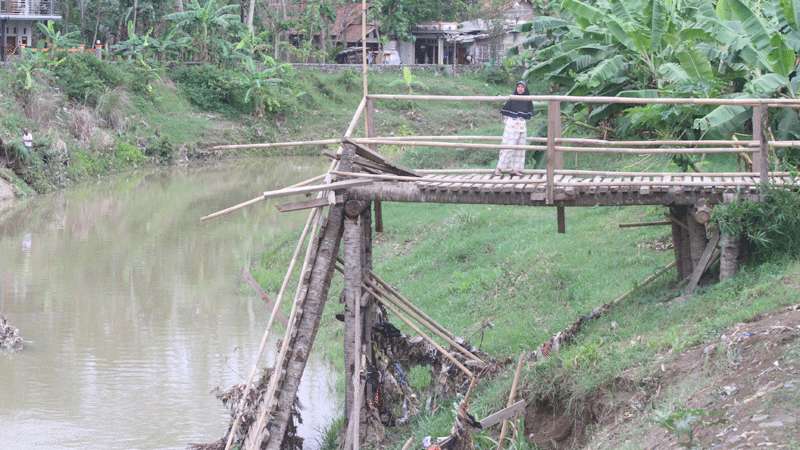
[134, 310]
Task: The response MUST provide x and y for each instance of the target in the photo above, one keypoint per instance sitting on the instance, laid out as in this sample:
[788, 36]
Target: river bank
[99, 118]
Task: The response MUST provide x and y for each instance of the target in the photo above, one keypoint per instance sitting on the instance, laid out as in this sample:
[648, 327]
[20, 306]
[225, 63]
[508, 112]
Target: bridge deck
[568, 190]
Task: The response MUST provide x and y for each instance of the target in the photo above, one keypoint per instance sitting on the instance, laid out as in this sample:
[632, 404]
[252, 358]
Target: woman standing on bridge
[515, 114]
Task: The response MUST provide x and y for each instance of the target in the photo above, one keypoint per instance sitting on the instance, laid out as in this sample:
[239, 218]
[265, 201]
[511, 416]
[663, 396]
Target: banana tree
[203, 19]
[766, 43]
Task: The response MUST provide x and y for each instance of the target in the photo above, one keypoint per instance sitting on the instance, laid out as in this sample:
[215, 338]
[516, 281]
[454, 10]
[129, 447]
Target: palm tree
[203, 19]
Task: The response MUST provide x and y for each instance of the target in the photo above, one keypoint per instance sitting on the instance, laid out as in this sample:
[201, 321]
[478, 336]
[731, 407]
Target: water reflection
[136, 310]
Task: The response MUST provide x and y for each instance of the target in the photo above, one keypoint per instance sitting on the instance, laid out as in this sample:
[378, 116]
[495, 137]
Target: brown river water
[134, 310]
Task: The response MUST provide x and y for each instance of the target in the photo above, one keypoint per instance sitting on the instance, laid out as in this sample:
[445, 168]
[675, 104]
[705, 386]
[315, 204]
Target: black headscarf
[518, 109]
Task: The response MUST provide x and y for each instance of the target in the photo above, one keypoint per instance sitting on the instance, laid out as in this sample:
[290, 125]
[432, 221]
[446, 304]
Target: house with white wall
[18, 19]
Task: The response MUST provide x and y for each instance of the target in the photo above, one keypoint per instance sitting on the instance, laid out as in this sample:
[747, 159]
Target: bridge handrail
[772, 102]
[758, 146]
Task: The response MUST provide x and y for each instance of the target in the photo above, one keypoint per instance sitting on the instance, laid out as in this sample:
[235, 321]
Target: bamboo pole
[275, 308]
[416, 316]
[553, 133]
[645, 224]
[375, 176]
[411, 305]
[511, 397]
[582, 141]
[773, 102]
[364, 48]
[258, 199]
[272, 387]
[422, 334]
[600, 172]
[643, 151]
[278, 144]
[761, 158]
[447, 144]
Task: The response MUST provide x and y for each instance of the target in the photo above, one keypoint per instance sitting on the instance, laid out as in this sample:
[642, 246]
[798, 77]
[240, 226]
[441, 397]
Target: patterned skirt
[515, 133]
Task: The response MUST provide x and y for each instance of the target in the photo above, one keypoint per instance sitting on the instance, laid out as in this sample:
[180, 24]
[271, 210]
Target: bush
[349, 80]
[771, 226]
[85, 78]
[163, 151]
[210, 88]
[127, 154]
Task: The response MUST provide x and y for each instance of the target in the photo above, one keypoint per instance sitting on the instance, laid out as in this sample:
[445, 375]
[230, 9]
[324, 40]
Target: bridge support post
[361, 314]
[729, 256]
[697, 238]
[353, 279]
[680, 241]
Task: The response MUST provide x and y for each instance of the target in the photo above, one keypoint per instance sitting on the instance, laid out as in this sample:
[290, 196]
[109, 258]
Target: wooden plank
[375, 157]
[504, 414]
[308, 204]
[702, 264]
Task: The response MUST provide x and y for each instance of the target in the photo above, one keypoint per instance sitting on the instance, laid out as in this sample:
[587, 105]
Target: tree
[201, 20]
[667, 47]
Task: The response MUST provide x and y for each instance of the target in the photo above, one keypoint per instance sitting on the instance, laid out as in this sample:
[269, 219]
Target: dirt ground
[741, 391]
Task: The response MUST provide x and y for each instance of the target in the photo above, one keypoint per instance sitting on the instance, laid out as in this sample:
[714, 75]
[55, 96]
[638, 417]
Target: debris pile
[231, 399]
[398, 353]
[10, 340]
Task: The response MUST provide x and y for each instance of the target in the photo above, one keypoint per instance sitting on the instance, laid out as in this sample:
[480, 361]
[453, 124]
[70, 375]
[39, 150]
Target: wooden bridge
[360, 178]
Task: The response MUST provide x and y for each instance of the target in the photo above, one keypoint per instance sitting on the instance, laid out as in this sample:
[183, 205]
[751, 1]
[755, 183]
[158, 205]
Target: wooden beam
[646, 224]
[308, 204]
[761, 159]
[702, 265]
[506, 413]
[367, 153]
[553, 133]
[561, 220]
[315, 188]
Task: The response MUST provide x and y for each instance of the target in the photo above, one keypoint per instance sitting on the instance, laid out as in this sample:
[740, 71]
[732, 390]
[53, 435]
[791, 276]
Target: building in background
[18, 19]
[477, 41]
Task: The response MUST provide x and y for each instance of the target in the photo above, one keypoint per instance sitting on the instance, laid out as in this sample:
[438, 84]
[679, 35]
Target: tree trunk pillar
[729, 256]
[697, 238]
[353, 278]
[680, 241]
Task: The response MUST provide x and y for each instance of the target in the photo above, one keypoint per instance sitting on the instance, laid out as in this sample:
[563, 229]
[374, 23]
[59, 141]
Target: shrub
[83, 77]
[771, 226]
[127, 154]
[348, 79]
[209, 87]
[162, 150]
